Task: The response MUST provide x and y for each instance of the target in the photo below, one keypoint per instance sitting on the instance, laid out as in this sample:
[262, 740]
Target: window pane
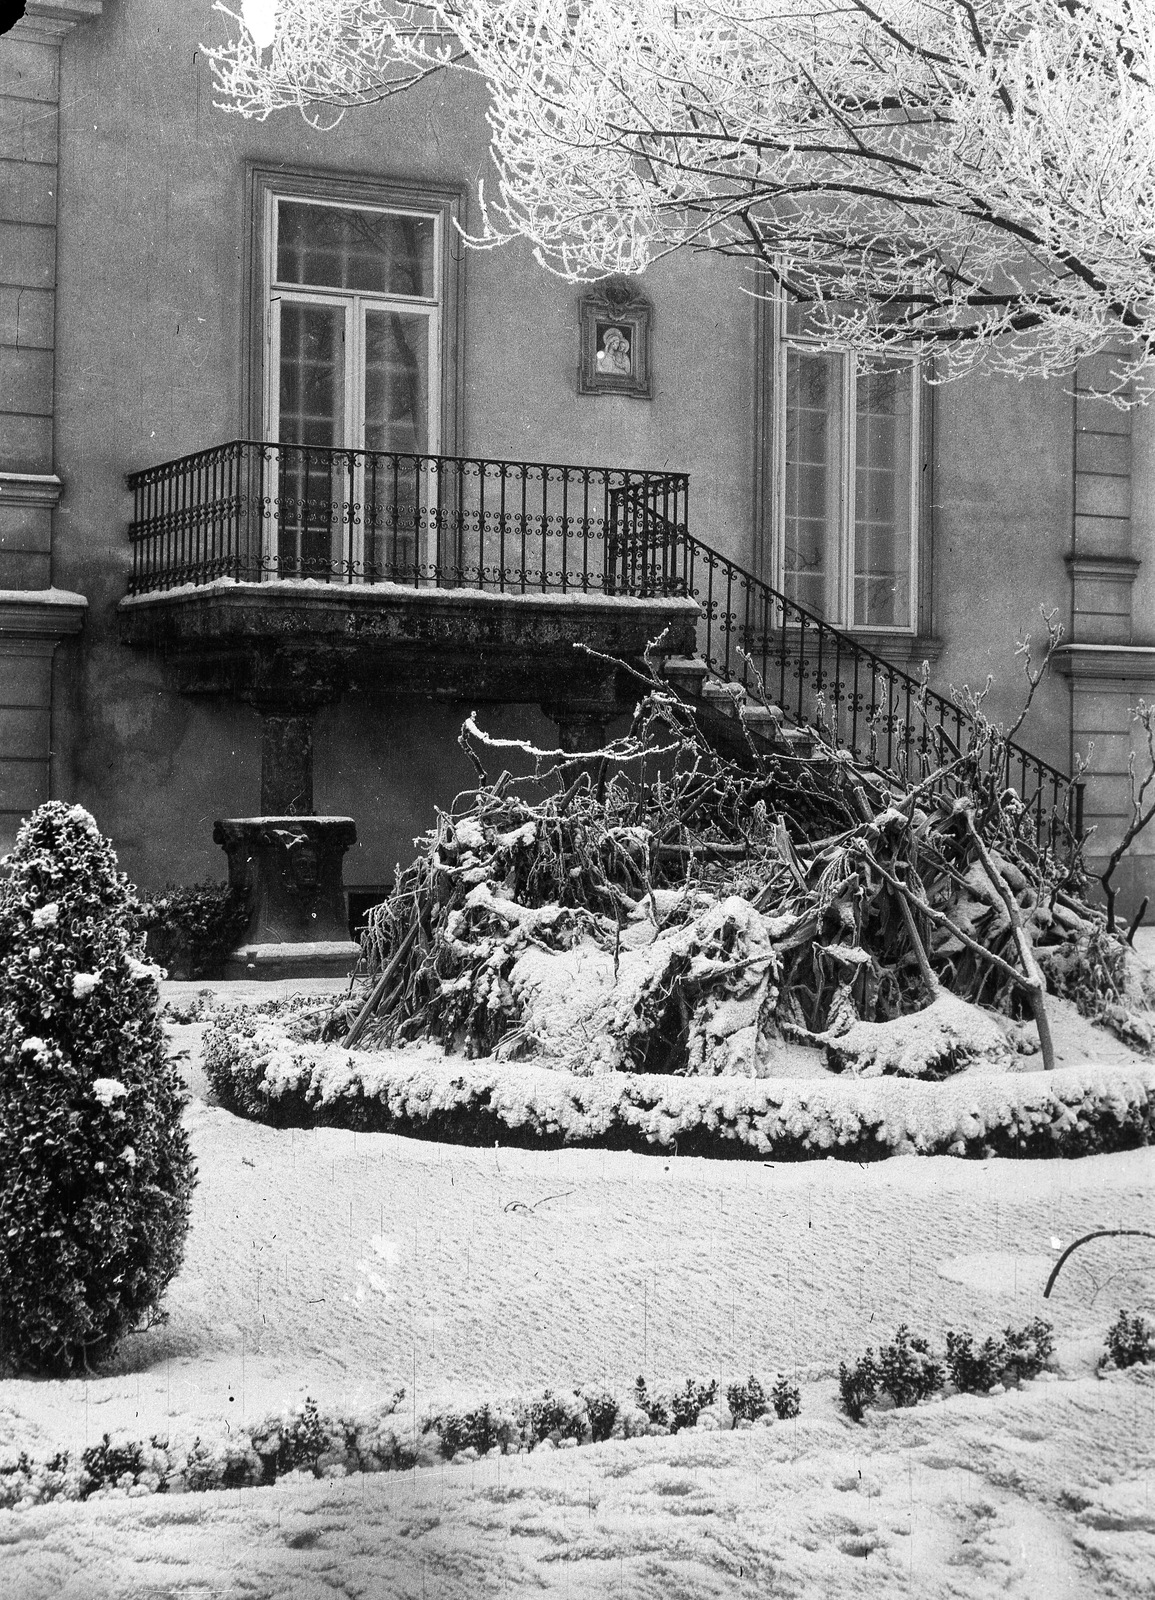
[813, 479]
[806, 321]
[397, 493]
[376, 252]
[312, 374]
[396, 381]
[882, 497]
[312, 414]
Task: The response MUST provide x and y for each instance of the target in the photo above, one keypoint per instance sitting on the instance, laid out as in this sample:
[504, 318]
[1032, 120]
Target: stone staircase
[730, 717]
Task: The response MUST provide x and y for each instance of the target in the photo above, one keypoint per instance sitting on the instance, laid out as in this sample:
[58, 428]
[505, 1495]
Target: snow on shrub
[1130, 1341]
[261, 1067]
[786, 1398]
[1018, 1354]
[95, 1170]
[305, 1442]
[747, 1401]
[907, 1371]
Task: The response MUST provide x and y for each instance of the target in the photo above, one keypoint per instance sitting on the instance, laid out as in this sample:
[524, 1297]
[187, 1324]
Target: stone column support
[286, 763]
[579, 728]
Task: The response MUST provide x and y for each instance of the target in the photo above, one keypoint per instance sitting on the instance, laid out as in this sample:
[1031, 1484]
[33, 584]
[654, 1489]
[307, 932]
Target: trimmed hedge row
[307, 1443]
[262, 1068]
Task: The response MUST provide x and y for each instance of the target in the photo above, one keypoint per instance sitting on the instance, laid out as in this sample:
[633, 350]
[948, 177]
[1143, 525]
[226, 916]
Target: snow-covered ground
[341, 1265]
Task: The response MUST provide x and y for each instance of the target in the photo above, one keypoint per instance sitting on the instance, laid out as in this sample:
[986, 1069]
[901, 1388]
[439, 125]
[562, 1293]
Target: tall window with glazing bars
[354, 332]
[847, 480]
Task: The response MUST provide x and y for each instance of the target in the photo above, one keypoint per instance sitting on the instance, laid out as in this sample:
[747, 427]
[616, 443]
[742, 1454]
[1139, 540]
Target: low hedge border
[261, 1068]
[908, 1370]
[305, 1443]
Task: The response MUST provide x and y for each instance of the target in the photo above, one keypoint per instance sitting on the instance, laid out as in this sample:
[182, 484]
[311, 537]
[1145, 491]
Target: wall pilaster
[34, 616]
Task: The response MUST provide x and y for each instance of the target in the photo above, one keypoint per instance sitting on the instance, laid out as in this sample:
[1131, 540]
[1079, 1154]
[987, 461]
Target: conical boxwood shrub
[95, 1170]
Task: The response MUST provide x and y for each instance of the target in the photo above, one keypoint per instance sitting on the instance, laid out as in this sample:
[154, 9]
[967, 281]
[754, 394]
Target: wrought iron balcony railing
[262, 512]
[256, 512]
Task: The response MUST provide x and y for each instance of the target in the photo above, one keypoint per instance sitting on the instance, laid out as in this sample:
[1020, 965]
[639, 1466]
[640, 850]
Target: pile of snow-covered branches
[655, 907]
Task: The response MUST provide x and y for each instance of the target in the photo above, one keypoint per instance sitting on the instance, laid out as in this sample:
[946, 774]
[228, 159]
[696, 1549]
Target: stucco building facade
[173, 278]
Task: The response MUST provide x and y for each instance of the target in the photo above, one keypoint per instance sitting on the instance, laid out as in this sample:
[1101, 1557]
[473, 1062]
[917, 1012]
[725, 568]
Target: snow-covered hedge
[305, 1442]
[260, 1070]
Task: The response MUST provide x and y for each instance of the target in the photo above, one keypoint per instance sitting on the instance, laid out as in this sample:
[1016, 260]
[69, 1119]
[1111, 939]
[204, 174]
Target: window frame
[770, 472]
[316, 186]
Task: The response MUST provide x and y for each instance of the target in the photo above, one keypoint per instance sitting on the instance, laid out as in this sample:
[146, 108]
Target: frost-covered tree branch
[974, 176]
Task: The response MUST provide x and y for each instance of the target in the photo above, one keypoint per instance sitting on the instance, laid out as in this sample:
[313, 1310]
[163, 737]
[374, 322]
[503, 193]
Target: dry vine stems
[880, 893]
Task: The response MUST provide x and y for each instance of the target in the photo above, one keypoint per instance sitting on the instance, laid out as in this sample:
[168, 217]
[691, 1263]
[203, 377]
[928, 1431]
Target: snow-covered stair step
[686, 674]
[690, 676]
[727, 697]
[766, 720]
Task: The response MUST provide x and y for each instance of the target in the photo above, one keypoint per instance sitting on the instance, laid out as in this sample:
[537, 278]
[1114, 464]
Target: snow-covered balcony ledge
[289, 575]
[297, 643]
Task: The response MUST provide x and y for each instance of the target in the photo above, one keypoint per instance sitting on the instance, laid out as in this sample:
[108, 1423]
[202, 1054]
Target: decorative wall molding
[50, 20]
[1118, 569]
[30, 489]
[1107, 662]
[51, 614]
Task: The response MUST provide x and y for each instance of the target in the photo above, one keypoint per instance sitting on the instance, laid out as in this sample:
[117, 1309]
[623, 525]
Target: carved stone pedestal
[291, 867]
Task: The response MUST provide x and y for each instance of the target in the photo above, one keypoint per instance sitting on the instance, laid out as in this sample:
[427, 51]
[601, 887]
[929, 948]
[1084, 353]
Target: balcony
[288, 575]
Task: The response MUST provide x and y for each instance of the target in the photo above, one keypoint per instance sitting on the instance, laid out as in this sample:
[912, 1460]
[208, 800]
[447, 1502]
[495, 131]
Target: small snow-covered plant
[858, 1385]
[303, 1438]
[480, 1429]
[679, 1409]
[907, 1370]
[1018, 1354]
[747, 1401]
[550, 1415]
[15, 1481]
[602, 1409]
[688, 1403]
[1027, 1350]
[653, 1405]
[1130, 1340]
[786, 1398]
[231, 1463]
[974, 1371]
[95, 1170]
[106, 1464]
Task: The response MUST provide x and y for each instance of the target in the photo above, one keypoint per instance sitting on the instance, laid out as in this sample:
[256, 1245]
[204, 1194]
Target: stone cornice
[30, 489]
[50, 20]
[40, 613]
[1106, 662]
[1121, 569]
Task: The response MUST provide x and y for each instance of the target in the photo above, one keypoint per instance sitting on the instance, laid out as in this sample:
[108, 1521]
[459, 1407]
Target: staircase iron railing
[753, 635]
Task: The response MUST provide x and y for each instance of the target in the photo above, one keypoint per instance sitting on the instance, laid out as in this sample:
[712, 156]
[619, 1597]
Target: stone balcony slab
[304, 641]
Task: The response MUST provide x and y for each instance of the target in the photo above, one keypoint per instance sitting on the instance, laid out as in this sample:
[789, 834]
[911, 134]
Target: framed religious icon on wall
[615, 340]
